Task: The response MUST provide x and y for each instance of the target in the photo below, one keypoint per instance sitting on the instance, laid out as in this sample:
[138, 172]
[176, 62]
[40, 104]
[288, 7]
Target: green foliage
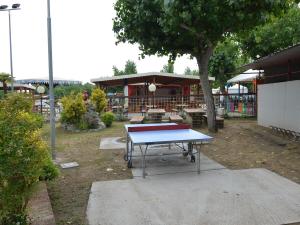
[168, 68]
[73, 109]
[23, 156]
[279, 33]
[188, 71]
[107, 118]
[61, 91]
[130, 68]
[225, 60]
[98, 98]
[192, 27]
[18, 102]
[5, 77]
[187, 27]
[49, 172]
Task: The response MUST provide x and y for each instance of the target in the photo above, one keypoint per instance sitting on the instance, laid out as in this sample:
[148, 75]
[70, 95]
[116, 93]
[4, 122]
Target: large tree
[280, 33]
[168, 68]
[130, 68]
[188, 71]
[177, 27]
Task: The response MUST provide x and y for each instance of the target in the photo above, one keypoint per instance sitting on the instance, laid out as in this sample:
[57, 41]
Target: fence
[233, 104]
[137, 104]
[237, 104]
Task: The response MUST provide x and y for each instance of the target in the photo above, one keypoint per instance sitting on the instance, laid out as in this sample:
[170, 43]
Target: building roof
[277, 58]
[45, 80]
[246, 76]
[25, 86]
[162, 78]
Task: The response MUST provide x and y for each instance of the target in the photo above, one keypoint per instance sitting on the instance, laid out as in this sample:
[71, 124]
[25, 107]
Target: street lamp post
[152, 88]
[51, 91]
[5, 8]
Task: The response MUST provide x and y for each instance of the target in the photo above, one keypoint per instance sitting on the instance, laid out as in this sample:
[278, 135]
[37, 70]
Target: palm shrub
[98, 98]
[73, 109]
[24, 157]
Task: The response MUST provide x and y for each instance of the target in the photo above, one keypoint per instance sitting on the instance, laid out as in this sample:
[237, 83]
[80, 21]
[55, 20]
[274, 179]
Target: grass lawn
[69, 193]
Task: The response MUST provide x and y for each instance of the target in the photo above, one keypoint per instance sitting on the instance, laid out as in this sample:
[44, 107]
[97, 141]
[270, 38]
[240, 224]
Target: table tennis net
[159, 128]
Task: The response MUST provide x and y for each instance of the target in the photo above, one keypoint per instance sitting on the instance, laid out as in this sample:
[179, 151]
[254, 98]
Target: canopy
[247, 76]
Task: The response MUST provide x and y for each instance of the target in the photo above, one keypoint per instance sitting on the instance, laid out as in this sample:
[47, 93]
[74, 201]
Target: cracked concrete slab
[214, 197]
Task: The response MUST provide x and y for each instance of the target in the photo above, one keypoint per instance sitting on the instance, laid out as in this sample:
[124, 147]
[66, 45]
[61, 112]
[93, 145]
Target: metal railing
[232, 104]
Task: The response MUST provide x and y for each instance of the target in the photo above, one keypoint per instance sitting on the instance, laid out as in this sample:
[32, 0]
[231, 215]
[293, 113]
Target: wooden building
[278, 93]
[171, 89]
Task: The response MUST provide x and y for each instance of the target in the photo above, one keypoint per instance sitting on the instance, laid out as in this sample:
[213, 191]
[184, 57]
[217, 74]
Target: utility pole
[51, 92]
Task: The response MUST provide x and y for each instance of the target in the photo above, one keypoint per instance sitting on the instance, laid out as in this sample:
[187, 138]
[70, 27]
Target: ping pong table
[162, 133]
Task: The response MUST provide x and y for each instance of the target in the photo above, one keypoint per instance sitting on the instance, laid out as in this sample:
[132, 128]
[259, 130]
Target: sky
[82, 37]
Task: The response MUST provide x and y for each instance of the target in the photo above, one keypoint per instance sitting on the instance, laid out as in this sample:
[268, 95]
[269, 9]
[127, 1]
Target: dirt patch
[243, 144]
[240, 145]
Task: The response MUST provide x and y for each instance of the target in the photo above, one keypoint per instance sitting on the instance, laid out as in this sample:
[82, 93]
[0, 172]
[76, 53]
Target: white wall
[279, 105]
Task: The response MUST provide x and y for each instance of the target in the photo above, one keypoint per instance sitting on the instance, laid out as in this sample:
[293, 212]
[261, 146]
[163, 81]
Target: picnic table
[196, 115]
[156, 114]
[180, 108]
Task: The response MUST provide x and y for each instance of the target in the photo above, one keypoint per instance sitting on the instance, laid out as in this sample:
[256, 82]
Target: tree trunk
[202, 61]
[4, 87]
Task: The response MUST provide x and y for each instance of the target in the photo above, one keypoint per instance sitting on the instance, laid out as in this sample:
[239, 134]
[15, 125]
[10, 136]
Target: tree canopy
[279, 33]
[168, 68]
[225, 60]
[188, 71]
[61, 91]
[130, 68]
[194, 27]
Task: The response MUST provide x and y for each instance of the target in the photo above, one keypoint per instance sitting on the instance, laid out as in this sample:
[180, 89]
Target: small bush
[23, 157]
[49, 172]
[98, 98]
[107, 118]
[73, 109]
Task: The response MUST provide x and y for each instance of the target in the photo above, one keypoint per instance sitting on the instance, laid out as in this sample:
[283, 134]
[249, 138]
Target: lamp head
[16, 6]
[3, 7]
[40, 89]
[152, 87]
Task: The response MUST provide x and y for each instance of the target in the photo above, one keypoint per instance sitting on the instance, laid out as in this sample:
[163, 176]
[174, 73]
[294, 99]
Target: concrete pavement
[172, 194]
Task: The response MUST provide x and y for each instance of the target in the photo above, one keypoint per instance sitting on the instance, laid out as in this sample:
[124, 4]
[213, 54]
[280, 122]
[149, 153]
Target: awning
[247, 76]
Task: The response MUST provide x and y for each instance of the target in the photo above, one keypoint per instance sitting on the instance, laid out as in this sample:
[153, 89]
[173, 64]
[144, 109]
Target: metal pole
[11, 60]
[41, 104]
[51, 92]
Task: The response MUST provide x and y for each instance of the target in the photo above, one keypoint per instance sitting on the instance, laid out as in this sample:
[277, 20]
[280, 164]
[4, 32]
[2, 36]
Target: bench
[176, 119]
[137, 119]
[219, 121]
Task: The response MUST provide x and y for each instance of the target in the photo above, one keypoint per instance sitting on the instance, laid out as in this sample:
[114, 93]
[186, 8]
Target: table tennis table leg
[198, 148]
[129, 163]
[127, 146]
[144, 159]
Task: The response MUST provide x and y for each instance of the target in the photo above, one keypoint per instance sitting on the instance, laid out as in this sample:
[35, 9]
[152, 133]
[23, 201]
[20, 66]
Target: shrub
[73, 109]
[49, 172]
[98, 98]
[23, 157]
[107, 118]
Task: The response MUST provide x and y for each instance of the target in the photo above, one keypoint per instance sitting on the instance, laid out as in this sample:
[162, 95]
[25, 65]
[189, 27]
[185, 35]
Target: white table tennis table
[162, 133]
